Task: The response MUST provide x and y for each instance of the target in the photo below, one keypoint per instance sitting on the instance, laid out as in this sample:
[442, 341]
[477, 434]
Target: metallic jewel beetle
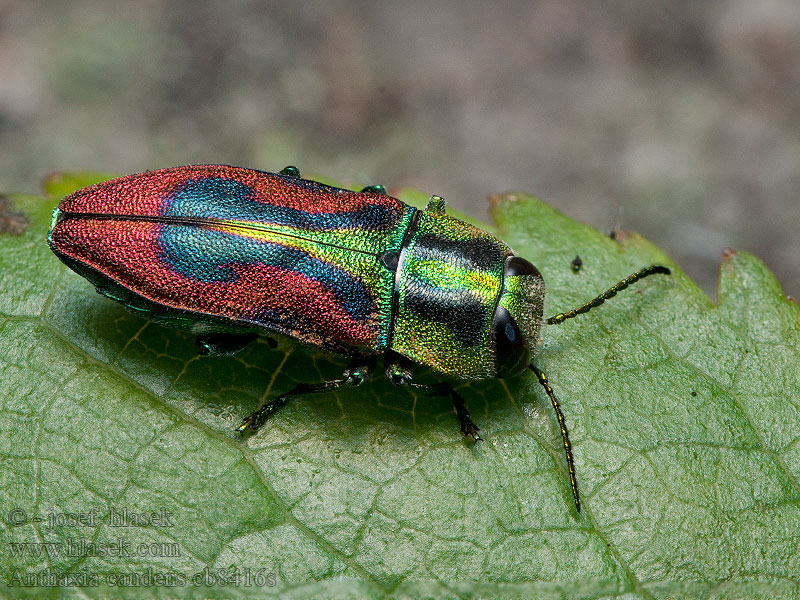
[230, 253]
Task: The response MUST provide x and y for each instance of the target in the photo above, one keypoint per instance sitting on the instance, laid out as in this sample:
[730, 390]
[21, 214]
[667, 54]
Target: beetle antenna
[564, 433]
[609, 293]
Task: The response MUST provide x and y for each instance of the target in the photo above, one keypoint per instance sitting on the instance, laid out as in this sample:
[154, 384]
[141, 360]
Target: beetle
[231, 253]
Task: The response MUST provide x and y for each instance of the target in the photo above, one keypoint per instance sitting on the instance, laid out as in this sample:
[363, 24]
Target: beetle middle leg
[358, 371]
[400, 375]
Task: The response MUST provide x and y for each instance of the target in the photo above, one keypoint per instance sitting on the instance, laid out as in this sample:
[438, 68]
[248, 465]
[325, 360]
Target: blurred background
[678, 119]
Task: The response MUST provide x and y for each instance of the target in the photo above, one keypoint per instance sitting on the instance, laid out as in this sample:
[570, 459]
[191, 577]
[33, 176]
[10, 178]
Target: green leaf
[683, 417]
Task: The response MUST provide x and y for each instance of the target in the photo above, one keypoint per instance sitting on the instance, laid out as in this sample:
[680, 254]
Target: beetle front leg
[401, 376]
[358, 371]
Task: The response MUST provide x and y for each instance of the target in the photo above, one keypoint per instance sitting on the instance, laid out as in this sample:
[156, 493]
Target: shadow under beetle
[230, 253]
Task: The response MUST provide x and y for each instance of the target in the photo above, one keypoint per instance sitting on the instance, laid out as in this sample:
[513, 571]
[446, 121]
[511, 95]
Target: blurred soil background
[678, 119]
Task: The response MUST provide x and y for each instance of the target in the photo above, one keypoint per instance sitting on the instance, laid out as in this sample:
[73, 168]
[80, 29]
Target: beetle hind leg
[401, 376]
[224, 344]
[358, 371]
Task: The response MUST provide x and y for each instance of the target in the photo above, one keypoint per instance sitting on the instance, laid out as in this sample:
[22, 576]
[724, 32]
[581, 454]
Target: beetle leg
[436, 205]
[375, 189]
[224, 344]
[401, 376]
[290, 171]
[358, 371]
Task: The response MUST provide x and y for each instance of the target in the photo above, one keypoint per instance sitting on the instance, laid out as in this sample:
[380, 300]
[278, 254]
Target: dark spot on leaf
[11, 222]
[577, 263]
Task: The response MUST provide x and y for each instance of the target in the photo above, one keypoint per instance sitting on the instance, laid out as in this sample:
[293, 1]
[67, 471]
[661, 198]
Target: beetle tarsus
[468, 427]
[256, 419]
[471, 430]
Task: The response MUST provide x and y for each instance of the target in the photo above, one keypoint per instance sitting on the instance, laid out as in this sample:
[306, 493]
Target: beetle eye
[519, 266]
[511, 351]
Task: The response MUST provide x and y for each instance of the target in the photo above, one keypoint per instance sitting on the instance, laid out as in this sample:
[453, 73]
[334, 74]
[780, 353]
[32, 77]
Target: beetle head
[518, 316]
